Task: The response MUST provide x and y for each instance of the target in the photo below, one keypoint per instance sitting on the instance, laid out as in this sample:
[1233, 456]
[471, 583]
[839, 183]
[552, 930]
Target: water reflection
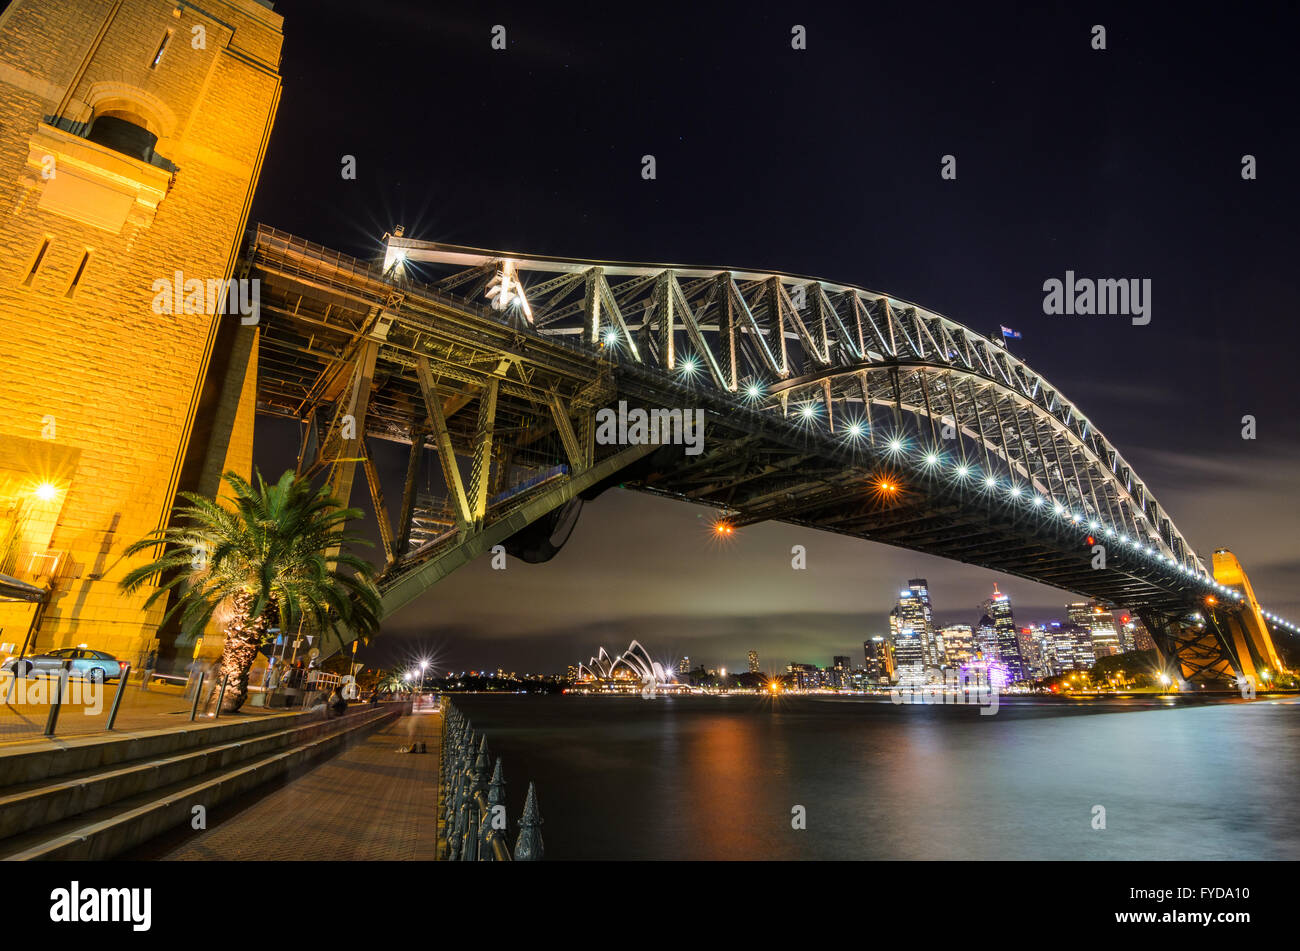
[702, 778]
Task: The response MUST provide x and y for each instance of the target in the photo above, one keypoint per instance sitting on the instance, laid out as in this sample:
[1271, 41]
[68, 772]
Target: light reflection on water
[716, 778]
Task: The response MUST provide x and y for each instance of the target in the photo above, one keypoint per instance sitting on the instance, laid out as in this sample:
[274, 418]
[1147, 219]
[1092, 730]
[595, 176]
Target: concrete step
[44, 759]
[28, 806]
[100, 832]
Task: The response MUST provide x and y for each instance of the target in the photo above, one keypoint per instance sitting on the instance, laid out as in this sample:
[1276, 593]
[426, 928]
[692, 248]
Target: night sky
[1122, 163]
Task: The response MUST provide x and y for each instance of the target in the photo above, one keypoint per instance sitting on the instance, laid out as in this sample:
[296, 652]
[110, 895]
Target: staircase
[95, 797]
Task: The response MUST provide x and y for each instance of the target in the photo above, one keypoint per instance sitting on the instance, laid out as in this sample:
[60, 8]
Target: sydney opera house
[632, 671]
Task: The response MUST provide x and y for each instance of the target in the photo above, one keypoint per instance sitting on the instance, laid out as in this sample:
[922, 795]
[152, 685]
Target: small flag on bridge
[1013, 334]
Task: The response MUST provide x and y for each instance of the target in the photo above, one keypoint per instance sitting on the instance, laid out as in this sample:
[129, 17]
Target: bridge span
[825, 405]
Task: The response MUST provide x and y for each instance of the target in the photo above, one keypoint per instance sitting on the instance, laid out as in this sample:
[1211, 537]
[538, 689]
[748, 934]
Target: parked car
[92, 665]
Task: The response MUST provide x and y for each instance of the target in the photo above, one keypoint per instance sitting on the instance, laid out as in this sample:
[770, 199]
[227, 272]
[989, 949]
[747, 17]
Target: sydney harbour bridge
[825, 405]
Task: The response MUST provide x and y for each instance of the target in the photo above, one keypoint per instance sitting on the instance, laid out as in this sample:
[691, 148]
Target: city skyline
[772, 660]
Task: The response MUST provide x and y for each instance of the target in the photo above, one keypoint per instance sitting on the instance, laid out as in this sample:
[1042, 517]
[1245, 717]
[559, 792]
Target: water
[717, 777]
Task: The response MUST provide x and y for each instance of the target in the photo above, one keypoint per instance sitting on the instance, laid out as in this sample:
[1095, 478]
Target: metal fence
[473, 802]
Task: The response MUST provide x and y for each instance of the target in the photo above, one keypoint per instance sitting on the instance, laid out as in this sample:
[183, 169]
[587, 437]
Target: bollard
[60, 683]
[198, 692]
[117, 697]
[221, 696]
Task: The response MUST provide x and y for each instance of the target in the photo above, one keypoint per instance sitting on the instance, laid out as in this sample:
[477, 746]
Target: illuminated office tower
[986, 639]
[1045, 644]
[684, 665]
[879, 656]
[1136, 633]
[913, 613]
[958, 643]
[1031, 653]
[753, 662]
[998, 610]
[1084, 656]
[909, 650]
[1100, 624]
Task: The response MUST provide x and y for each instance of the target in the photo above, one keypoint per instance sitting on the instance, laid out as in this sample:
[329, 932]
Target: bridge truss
[826, 405]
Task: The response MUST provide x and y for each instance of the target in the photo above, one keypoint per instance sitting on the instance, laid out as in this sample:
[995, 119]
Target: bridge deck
[369, 803]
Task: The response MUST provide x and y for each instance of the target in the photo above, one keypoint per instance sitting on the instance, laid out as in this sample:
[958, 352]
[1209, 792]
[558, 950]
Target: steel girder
[843, 350]
[509, 397]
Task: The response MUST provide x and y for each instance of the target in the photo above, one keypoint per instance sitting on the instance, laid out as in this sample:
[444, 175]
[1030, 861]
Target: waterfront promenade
[369, 803]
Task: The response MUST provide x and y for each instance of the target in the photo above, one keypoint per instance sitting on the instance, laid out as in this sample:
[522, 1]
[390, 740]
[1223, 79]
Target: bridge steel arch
[826, 405]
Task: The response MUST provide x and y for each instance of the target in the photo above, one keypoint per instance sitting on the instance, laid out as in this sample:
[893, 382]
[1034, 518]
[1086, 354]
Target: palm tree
[393, 683]
[276, 555]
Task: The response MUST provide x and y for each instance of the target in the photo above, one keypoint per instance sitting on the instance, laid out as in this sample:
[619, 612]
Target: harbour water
[722, 777]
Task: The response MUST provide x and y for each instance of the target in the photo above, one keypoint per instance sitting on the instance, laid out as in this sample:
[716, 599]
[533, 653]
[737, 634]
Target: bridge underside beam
[410, 583]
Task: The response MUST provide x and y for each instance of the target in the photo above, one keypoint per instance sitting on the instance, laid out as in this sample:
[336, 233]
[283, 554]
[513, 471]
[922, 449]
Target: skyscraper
[879, 657]
[1031, 653]
[911, 625]
[684, 665]
[998, 610]
[958, 644]
[986, 639]
[912, 633]
[1100, 624]
[753, 662]
[1138, 636]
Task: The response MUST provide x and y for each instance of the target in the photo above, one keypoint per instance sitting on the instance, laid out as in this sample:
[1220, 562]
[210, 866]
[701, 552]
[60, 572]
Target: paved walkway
[367, 803]
[159, 707]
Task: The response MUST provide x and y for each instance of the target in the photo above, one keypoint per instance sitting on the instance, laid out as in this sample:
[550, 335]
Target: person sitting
[337, 704]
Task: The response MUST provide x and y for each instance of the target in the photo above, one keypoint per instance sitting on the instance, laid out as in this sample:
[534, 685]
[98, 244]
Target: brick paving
[368, 803]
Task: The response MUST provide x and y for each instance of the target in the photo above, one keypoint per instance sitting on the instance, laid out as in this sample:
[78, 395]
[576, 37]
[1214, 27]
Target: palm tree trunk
[243, 637]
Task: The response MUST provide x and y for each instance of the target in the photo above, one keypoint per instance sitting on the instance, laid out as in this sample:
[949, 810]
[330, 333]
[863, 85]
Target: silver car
[95, 666]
